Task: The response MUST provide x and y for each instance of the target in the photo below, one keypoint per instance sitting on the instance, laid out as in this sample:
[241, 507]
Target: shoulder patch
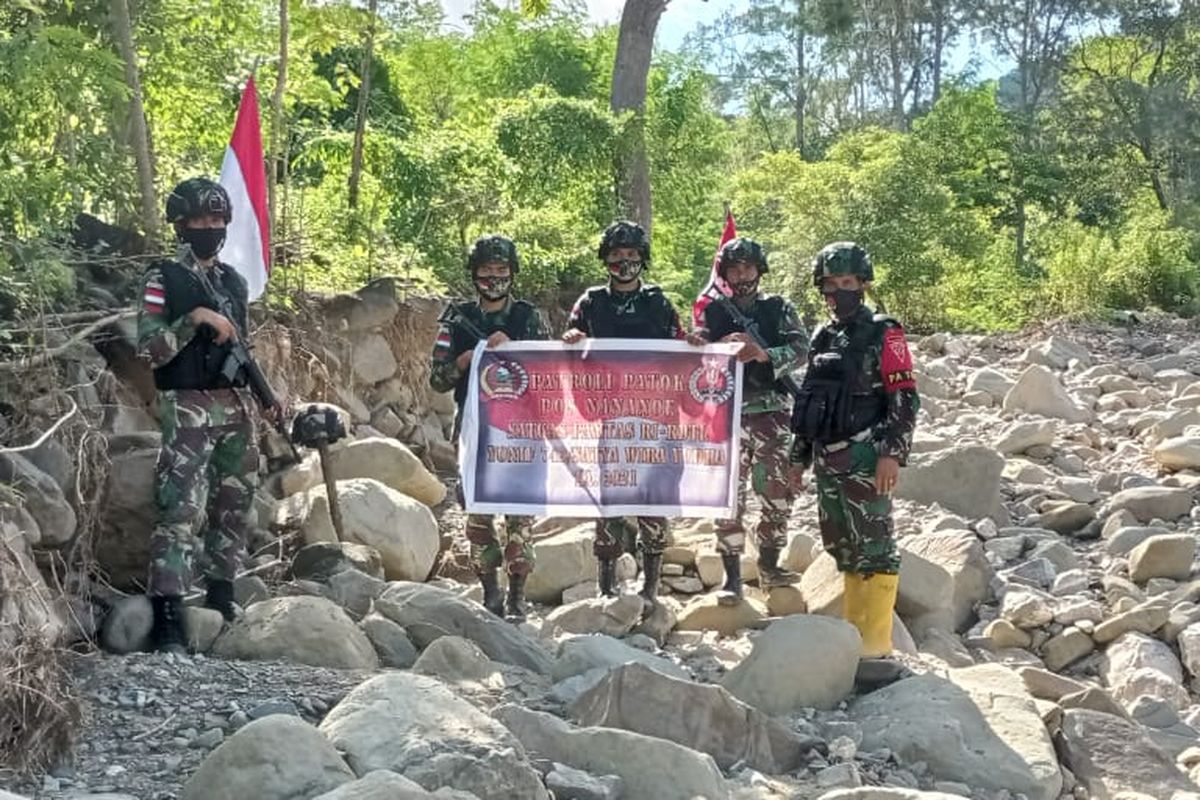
[895, 361]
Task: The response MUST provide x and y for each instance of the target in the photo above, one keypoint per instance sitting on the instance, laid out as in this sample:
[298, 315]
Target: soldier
[626, 307]
[492, 264]
[208, 464]
[765, 407]
[854, 420]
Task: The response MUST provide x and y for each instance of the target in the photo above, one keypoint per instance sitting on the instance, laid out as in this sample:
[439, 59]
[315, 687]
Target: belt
[865, 435]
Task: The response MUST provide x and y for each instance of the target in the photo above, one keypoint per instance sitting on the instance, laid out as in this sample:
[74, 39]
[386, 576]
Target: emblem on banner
[503, 379]
[712, 382]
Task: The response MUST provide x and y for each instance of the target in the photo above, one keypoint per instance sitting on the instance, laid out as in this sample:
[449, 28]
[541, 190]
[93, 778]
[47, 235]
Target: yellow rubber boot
[877, 595]
[852, 598]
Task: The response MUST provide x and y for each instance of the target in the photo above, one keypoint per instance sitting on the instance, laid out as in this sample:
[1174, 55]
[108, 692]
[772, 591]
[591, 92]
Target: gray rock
[127, 627]
[1136, 665]
[390, 641]
[42, 497]
[1109, 755]
[321, 560]
[569, 783]
[354, 591]
[965, 480]
[563, 560]
[1163, 556]
[454, 659]
[579, 654]
[307, 630]
[1147, 503]
[1039, 391]
[250, 589]
[1145, 618]
[614, 616]
[379, 785]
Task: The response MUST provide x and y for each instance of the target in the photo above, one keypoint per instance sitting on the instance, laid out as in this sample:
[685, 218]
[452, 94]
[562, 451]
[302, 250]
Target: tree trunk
[364, 93]
[635, 45]
[939, 42]
[278, 134]
[138, 129]
[801, 76]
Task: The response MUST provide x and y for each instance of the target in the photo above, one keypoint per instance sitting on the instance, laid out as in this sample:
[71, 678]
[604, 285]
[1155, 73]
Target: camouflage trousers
[206, 475]
[612, 533]
[766, 438]
[855, 520]
[486, 551]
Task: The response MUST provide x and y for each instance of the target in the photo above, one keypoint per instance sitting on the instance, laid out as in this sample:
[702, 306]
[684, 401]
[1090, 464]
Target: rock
[964, 479]
[1136, 665]
[372, 359]
[980, 728]
[823, 587]
[1020, 436]
[614, 616]
[925, 594]
[1046, 685]
[1066, 648]
[784, 672]
[702, 717]
[403, 530]
[250, 589]
[964, 559]
[661, 621]
[1147, 503]
[1108, 755]
[42, 497]
[203, 626]
[379, 785]
[1146, 618]
[390, 641]
[415, 726]
[307, 630]
[1093, 699]
[275, 758]
[354, 591]
[1003, 635]
[1124, 539]
[887, 793]
[1189, 649]
[1026, 607]
[389, 462]
[1178, 453]
[427, 612]
[704, 613]
[568, 783]
[580, 654]
[127, 627]
[127, 518]
[845, 774]
[321, 560]
[1038, 391]
[1066, 517]
[1057, 353]
[562, 561]
[994, 382]
[454, 659]
[1163, 556]
[800, 552]
[640, 761]
[783, 601]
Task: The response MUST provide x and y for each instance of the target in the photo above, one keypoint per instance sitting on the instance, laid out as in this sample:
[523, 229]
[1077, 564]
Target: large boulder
[42, 497]
[127, 517]
[1163, 556]
[703, 717]
[648, 766]
[427, 612]
[1137, 665]
[580, 654]
[705, 613]
[1039, 391]
[307, 630]
[560, 562]
[415, 726]
[279, 757]
[614, 616]
[965, 480]
[402, 530]
[931, 719]
[390, 463]
[1148, 503]
[925, 597]
[962, 556]
[1109, 755]
[372, 359]
[785, 672]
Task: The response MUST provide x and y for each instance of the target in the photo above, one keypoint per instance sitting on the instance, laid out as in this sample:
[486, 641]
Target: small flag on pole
[243, 174]
[714, 279]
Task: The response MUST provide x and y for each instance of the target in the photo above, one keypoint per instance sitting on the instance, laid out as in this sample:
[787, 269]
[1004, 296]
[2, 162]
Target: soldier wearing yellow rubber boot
[854, 421]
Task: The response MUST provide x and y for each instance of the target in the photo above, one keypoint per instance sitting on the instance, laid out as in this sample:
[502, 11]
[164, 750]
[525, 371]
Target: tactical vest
[462, 340]
[649, 316]
[767, 311]
[198, 364]
[838, 398]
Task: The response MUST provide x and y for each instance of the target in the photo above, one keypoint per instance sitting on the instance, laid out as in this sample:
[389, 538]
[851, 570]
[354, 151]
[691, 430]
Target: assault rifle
[452, 316]
[750, 326]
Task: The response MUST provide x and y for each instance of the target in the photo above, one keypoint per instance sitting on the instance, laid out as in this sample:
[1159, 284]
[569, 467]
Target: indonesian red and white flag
[243, 174]
[715, 281]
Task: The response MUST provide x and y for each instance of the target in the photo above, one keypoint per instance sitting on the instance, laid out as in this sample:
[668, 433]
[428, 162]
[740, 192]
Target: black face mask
[493, 287]
[745, 288]
[205, 242]
[845, 302]
[625, 271]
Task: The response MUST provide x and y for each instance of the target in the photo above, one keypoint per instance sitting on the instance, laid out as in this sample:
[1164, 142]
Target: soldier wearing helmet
[492, 264]
[208, 463]
[854, 422]
[765, 406]
[628, 308]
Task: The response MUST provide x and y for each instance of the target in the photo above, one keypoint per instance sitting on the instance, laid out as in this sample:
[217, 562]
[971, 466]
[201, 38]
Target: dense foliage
[1068, 186]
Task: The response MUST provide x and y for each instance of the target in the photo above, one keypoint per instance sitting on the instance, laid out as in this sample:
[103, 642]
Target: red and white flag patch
[154, 298]
[896, 362]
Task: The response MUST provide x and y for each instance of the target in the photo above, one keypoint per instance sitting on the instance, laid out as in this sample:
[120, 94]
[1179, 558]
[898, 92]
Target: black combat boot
[219, 597]
[606, 576]
[731, 593]
[493, 598]
[651, 570]
[769, 571]
[516, 598]
[169, 633]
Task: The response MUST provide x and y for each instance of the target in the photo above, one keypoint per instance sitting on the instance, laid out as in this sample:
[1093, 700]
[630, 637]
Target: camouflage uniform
[855, 520]
[645, 313]
[521, 321]
[207, 467]
[766, 432]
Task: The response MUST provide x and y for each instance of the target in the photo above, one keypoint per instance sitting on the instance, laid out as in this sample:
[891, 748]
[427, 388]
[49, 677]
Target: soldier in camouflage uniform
[766, 405]
[492, 264]
[626, 307]
[208, 465]
[854, 421]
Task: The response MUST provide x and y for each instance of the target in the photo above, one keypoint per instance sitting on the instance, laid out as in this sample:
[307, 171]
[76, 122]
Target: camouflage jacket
[885, 372]
[519, 319]
[787, 342]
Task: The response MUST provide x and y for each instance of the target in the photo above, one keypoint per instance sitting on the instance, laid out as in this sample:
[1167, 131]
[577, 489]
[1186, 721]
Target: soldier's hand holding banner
[612, 428]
